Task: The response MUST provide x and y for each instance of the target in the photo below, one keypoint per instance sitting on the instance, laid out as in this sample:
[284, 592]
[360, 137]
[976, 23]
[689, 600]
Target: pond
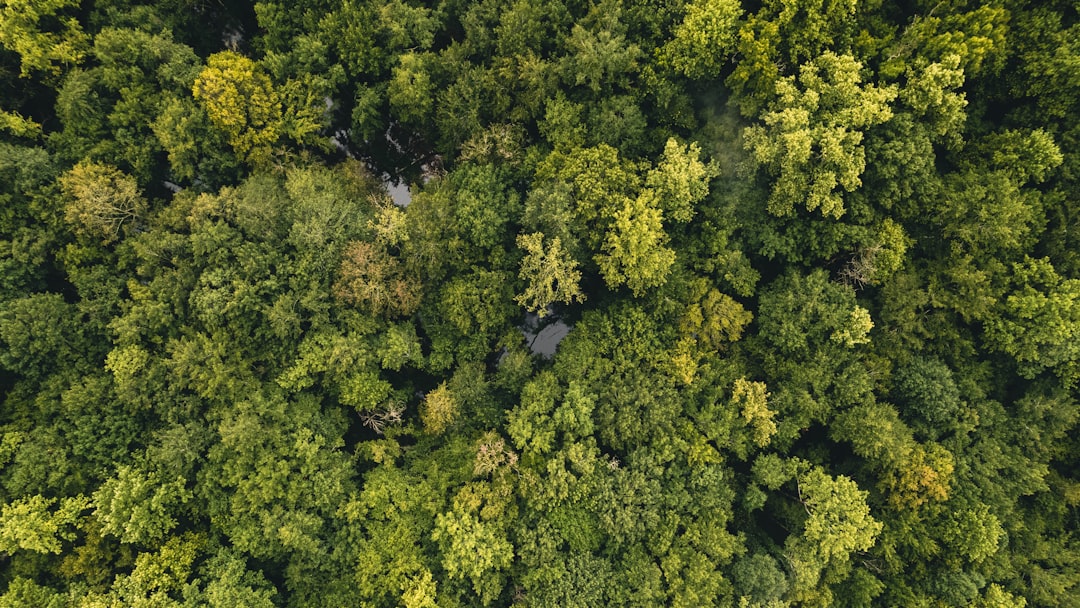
[544, 335]
[400, 159]
[398, 190]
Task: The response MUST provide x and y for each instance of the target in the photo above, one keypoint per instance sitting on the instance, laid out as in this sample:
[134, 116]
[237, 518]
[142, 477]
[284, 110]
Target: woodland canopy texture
[539, 303]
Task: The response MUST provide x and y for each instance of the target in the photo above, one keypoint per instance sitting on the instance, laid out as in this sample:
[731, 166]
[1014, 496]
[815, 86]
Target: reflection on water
[544, 335]
[398, 190]
[400, 159]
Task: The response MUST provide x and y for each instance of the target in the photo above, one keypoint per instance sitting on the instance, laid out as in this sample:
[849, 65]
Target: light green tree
[40, 524]
[551, 275]
[42, 51]
[977, 37]
[715, 318]
[634, 252]
[997, 597]
[1039, 323]
[600, 56]
[932, 94]
[751, 399]
[473, 550]
[439, 410]
[810, 141]
[157, 580]
[139, 507]
[242, 102]
[705, 40]
[229, 583]
[837, 524]
[680, 180]
[530, 424]
[22, 592]
[840, 520]
[410, 90]
[18, 125]
[100, 200]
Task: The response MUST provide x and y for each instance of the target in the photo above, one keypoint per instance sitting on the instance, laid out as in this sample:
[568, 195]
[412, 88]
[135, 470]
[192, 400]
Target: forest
[539, 303]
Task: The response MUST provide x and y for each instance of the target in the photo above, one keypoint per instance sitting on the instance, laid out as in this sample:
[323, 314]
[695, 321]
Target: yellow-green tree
[101, 200]
[376, 281]
[242, 102]
[810, 141]
[705, 40]
[42, 51]
[439, 410]
[550, 274]
[634, 252]
[40, 524]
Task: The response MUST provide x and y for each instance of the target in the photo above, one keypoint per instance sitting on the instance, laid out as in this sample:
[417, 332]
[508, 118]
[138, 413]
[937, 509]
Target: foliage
[46, 51]
[439, 410]
[31, 525]
[373, 279]
[690, 303]
[242, 102]
[702, 43]
[135, 506]
[811, 139]
[100, 200]
[633, 252]
[551, 274]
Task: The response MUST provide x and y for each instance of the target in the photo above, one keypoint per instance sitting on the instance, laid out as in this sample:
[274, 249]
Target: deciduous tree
[42, 51]
[242, 102]
[550, 274]
[101, 200]
[811, 139]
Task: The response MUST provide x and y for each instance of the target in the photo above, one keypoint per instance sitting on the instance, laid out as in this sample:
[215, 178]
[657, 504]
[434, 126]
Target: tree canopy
[554, 303]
